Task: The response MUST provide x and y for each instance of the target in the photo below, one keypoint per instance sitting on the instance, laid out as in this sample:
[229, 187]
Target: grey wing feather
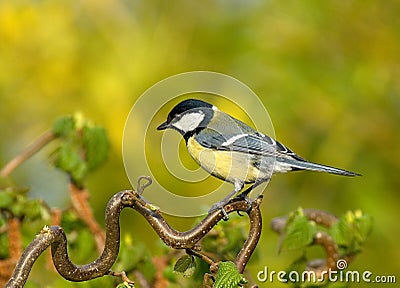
[254, 143]
[263, 145]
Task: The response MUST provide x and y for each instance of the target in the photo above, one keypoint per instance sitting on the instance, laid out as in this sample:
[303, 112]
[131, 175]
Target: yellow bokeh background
[327, 71]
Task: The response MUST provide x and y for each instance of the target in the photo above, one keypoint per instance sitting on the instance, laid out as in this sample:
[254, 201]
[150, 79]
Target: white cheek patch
[189, 121]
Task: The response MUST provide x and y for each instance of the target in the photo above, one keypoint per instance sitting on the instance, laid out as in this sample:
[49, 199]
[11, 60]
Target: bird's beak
[163, 126]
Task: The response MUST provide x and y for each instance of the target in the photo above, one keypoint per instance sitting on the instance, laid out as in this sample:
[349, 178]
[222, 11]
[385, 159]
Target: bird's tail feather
[305, 165]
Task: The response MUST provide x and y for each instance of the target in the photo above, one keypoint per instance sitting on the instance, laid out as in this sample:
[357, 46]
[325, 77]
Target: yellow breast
[226, 165]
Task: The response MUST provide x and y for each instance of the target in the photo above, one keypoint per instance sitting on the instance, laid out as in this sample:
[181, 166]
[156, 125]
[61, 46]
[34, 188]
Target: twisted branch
[54, 236]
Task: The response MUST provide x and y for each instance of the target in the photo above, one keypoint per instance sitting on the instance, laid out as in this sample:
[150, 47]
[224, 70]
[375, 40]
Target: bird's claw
[220, 206]
[244, 197]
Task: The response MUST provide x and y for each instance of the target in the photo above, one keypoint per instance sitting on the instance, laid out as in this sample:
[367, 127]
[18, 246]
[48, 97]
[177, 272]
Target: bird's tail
[305, 165]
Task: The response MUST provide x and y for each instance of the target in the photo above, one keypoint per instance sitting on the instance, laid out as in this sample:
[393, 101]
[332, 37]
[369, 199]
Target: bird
[232, 151]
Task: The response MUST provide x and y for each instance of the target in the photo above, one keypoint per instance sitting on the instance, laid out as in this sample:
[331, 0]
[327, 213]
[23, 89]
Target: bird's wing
[262, 145]
[251, 143]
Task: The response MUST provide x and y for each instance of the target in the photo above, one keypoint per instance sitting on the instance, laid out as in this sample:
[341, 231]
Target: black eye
[170, 117]
[174, 117]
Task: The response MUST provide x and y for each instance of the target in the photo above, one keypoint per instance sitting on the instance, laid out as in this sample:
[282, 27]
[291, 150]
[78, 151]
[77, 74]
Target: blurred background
[327, 71]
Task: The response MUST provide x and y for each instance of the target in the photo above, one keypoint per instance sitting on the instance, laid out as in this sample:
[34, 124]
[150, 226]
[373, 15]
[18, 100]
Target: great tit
[231, 150]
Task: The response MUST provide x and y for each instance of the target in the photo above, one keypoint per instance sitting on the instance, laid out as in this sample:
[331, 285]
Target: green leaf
[6, 199]
[96, 145]
[68, 159]
[351, 231]
[363, 224]
[228, 276]
[34, 209]
[341, 232]
[18, 207]
[185, 265]
[71, 222]
[83, 148]
[125, 285]
[202, 267]
[299, 232]
[64, 126]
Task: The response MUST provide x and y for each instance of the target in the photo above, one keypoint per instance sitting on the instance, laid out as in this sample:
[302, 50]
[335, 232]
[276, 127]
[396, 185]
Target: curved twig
[254, 235]
[248, 247]
[38, 144]
[54, 236]
[188, 239]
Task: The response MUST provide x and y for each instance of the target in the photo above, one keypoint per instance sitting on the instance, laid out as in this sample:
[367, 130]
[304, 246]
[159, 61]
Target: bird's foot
[243, 196]
[220, 206]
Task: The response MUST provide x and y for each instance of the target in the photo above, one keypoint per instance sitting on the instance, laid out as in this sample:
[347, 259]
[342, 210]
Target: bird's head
[188, 115]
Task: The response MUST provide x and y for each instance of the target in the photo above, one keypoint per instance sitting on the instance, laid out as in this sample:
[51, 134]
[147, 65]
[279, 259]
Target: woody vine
[82, 148]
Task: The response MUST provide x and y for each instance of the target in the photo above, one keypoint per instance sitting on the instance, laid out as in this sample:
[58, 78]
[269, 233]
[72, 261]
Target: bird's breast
[226, 165]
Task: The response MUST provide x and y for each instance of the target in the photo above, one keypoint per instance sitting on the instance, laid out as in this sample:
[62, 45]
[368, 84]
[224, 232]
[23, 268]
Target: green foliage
[135, 255]
[202, 267]
[325, 70]
[68, 158]
[6, 199]
[125, 285]
[225, 240]
[228, 276]
[83, 147]
[63, 127]
[70, 221]
[185, 265]
[96, 145]
[15, 202]
[351, 231]
[81, 244]
[299, 231]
